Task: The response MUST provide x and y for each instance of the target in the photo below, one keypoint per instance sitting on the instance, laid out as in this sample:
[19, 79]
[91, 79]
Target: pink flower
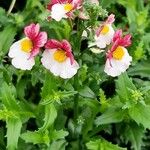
[118, 58]
[23, 51]
[58, 58]
[105, 33]
[64, 7]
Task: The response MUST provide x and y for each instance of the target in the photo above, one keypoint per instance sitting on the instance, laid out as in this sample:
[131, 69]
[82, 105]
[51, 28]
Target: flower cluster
[58, 55]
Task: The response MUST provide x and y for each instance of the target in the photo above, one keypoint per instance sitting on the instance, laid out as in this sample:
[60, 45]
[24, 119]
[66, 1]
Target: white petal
[116, 67]
[68, 70]
[23, 63]
[58, 12]
[15, 50]
[64, 70]
[103, 40]
[20, 59]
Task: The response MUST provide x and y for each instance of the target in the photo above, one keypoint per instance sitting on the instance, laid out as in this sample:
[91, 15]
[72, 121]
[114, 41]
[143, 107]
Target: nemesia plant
[118, 58]
[65, 82]
[58, 58]
[23, 51]
[63, 8]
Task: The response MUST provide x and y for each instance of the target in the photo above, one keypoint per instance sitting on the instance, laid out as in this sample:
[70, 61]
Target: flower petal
[32, 30]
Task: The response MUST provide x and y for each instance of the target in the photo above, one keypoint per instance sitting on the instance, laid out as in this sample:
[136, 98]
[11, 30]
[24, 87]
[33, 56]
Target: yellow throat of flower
[60, 55]
[118, 53]
[26, 45]
[105, 30]
[68, 7]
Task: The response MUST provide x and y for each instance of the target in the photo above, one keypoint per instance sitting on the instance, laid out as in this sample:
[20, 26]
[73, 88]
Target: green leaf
[50, 116]
[141, 69]
[134, 134]
[58, 145]
[87, 92]
[36, 137]
[101, 144]
[123, 84]
[55, 135]
[110, 116]
[6, 38]
[49, 86]
[13, 132]
[7, 95]
[140, 114]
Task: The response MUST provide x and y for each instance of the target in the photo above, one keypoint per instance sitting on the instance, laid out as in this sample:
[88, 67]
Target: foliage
[89, 111]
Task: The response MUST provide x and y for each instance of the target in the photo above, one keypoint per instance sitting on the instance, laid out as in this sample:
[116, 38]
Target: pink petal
[110, 19]
[52, 44]
[66, 46]
[40, 40]
[32, 30]
[126, 41]
[34, 52]
[117, 35]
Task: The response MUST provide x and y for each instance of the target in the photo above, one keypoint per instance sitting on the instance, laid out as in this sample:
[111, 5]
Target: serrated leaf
[58, 145]
[140, 114]
[134, 134]
[7, 94]
[50, 116]
[55, 135]
[101, 144]
[110, 116]
[13, 132]
[123, 84]
[36, 137]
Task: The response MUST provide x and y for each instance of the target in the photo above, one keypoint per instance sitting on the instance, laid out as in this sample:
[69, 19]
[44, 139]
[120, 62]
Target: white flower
[20, 54]
[105, 36]
[59, 65]
[118, 63]
[58, 58]
[59, 11]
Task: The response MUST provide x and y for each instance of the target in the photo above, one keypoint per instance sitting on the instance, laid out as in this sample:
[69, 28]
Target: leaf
[141, 69]
[36, 137]
[87, 92]
[123, 84]
[7, 94]
[13, 132]
[49, 86]
[58, 145]
[140, 114]
[61, 134]
[110, 116]
[50, 116]
[6, 38]
[101, 144]
[134, 134]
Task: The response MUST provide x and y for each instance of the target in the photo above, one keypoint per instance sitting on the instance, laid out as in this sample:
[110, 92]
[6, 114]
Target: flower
[104, 34]
[63, 8]
[58, 58]
[23, 51]
[118, 58]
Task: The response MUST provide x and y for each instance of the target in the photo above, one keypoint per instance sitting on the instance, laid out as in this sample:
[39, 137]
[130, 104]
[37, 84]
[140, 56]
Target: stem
[11, 6]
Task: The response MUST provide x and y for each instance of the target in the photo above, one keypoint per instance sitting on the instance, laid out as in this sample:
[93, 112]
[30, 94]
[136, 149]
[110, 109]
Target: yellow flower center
[26, 45]
[105, 30]
[68, 7]
[60, 55]
[118, 53]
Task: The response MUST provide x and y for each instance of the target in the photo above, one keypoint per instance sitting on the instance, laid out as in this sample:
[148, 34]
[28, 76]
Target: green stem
[11, 6]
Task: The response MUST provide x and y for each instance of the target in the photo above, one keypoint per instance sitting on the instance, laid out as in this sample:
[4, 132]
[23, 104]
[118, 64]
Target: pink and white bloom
[118, 58]
[105, 33]
[63, 8]
[58, 58]
[23, 51]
